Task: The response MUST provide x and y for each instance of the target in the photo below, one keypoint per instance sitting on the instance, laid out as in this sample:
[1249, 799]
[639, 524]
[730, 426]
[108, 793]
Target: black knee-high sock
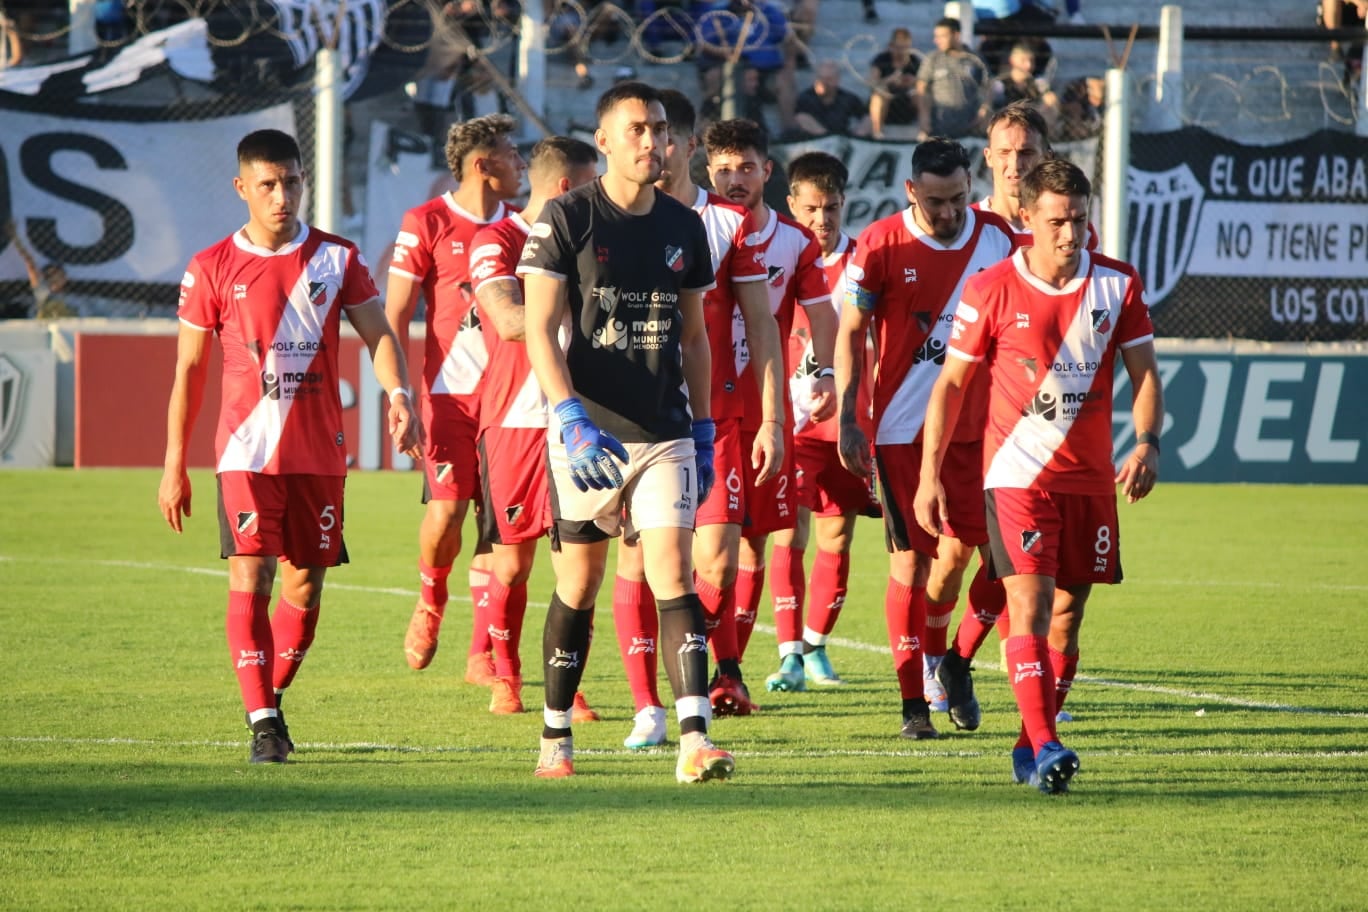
[684, 645]
[565, 644]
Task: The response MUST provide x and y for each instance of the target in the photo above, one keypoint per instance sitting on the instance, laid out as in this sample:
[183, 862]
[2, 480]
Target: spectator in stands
[893, 77]
[826, 108]
[952, 87]
[1082, 108]
[763, 52]
[111, 21]
[751, 101]
[1335, 14]
[1019, 82]
[994, 48]
[11, 43]
[48, 284]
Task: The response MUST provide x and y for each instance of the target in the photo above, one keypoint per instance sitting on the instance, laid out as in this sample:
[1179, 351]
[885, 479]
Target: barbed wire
[606, 33]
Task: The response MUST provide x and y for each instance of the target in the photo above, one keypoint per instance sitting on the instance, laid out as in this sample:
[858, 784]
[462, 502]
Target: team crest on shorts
[1030, 541]
[247, 523]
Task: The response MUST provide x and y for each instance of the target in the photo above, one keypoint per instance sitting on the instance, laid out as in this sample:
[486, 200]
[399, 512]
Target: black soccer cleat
[284, 728]
[954, 675]
[269, 745]
[917, 722]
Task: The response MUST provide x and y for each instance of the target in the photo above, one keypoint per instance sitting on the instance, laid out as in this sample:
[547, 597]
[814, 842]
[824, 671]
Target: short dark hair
[1054, 175]
[477, 134]
[939, 156]
[736, 135]
[949, 22]
[679, 111]
[1025, 115]
[273, 146]
[624, 91]
[824, 171]
[560, 154]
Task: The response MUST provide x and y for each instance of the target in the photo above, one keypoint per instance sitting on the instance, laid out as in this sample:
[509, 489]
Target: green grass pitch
[1221, 715]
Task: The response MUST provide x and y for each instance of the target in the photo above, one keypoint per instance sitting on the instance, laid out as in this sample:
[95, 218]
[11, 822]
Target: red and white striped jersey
[1025, 237]
[433, 249]
[794, 275]
[1051, 356]
[910, 283]
[277, 314]
[728, 226]
[509, 394]
[805, 362]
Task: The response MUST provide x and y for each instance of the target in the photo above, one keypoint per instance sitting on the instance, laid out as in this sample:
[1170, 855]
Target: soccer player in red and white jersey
[826, 489]
[739, 299]
[1018, 140]
[906, 276]
[739, 165]
[432, 257]
[516, 508]
[1047, 325]
[275, 291]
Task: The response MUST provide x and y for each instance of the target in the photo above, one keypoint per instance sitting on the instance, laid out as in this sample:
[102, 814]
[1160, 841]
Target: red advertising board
[123, 383]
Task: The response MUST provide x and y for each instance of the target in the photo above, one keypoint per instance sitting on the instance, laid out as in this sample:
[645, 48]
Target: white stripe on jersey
[1034, 440]
[905, 414]
[465, 361]
[253, 443]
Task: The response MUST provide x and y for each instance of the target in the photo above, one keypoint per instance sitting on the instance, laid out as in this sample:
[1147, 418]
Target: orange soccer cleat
[420, 643]
[505, 696]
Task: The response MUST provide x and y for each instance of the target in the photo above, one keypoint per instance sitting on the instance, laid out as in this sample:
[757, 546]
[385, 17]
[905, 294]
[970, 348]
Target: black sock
[730, 667]
[684, 645]
[565, 642]
[916, 704]
[809, 647]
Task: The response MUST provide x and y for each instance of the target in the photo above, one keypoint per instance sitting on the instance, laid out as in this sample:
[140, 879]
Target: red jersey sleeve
[864, 274]
[810, 285]
[492, 258]
[970, 332]
[1134, 326]
[199, 302]
[412, 251]
[748, 262]
[357, 285]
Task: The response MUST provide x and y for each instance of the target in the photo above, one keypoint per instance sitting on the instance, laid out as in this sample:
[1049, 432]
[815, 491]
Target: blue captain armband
[859, 298]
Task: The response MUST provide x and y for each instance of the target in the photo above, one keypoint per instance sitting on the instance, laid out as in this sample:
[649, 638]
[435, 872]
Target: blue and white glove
[704, 435]
[590, 450]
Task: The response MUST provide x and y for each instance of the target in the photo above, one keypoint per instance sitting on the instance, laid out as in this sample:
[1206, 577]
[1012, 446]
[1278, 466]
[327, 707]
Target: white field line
[857, 645]
[669, 750]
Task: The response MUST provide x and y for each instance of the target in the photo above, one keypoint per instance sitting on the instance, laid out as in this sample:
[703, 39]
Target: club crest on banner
[1165, 208]
[11, 400]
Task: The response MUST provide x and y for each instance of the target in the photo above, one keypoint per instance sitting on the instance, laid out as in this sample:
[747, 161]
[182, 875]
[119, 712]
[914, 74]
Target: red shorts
[961, 477]
[725, 504]
[774, 505]
[450, 463]
[515, 485]
[297, 517]
[825, 486]
[1071, 537]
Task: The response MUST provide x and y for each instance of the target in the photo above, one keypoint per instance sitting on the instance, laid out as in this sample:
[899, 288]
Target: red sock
[905, 614]
[1033, 683]
[507, 608]
[987, 599]
[638, 629]
[787, 587]
[292, 633]
[1065, 667]
[830, 579]
[480, 641]
[251, 648]
[750, 585]
[433, 582]
[937, 626]
[719, 617]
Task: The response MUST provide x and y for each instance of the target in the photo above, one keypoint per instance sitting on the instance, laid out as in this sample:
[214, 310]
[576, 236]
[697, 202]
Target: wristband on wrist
[1148, 437]
[826, 372]
[399, 389]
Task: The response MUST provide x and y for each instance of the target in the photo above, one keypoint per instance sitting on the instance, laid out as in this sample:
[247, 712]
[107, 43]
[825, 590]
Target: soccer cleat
[917, 723]
[935, 693]
[1055, 765]
[648, 730]
[1023, 765]
[730, 697]
[581, 711]
[954, 675]
[817, 669]
[704, 762]
[789, 678]
[557, 758]
[420, 643]
[269, 745]
[505, 696]
[284, 728]
[480, 669]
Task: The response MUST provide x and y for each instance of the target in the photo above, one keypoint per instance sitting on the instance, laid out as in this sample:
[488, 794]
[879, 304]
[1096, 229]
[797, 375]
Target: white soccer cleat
[648, 730]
